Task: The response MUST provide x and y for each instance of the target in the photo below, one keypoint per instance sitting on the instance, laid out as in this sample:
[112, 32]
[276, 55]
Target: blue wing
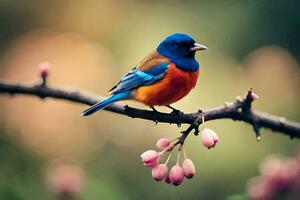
[136, 78]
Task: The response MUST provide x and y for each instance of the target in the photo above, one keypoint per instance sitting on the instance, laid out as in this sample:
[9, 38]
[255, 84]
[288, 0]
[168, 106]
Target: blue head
[181, 49]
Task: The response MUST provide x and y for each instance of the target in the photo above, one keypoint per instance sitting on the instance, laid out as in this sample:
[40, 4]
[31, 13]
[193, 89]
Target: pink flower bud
[150, 158]
[44, 69]
[254, 96]
[65, 179]
[188, 168]
[259, 188]
[176, 175]
[167, 179]
[281, 173]
[163, 143]
[209, 138]
[160, 172]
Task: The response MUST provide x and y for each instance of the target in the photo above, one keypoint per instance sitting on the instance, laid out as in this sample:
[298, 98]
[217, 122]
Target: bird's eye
[180, 45]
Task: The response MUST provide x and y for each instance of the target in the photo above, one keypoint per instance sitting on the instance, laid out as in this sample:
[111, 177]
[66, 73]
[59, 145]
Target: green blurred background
[91, 43]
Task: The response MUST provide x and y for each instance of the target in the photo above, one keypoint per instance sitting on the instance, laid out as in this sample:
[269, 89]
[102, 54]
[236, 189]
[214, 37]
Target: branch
[237, 110]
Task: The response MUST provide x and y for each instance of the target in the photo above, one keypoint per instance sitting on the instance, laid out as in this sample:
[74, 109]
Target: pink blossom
[254, 96]
[260, 188]
[188, 168]
[160, 172]
[209, 138]
[176, 175]
[280, 172]
[44, 69]
[163, 143]
[167, 179]
[277, 175]
[65, 179]
[150, 158]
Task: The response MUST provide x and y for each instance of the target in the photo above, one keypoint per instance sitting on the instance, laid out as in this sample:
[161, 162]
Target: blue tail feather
[101, 105]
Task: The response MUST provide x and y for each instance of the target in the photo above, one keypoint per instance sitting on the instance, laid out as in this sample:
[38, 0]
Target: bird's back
[152, 60]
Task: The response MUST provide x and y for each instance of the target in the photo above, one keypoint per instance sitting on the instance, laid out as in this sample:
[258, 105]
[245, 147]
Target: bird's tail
[101, 105]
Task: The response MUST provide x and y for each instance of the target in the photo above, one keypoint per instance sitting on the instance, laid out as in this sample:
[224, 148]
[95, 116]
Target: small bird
[161, 78]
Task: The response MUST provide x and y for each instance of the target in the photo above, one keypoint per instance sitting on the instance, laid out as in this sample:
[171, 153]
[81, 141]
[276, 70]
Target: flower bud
[176, 175]
[163, 143]
[160, 172]
[65, 179]
[150, 158]
[167, 179]
[188, 168]
[254, 96]
[44, 69]
[281, 173]
[209, 138]
[259, 188]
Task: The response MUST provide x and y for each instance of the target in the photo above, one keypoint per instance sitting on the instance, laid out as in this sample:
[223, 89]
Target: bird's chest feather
[175, 84]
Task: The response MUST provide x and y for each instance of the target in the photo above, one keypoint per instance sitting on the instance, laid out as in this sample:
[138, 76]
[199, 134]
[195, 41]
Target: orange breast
[175, 84]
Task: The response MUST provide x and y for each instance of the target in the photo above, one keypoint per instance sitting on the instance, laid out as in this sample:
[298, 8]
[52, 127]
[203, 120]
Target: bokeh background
[91, 43]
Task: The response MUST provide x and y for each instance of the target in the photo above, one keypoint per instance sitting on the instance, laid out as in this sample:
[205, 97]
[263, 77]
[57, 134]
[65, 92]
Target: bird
[163, 77]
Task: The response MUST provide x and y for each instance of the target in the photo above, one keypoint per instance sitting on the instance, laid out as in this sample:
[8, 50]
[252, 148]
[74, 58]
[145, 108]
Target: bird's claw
[154, 116]
[176, 112]
[178, 115]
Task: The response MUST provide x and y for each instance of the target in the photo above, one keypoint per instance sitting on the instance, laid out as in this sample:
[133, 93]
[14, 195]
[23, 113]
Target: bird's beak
[198, 47]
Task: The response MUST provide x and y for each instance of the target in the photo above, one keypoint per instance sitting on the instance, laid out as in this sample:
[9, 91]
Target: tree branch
[237, 110]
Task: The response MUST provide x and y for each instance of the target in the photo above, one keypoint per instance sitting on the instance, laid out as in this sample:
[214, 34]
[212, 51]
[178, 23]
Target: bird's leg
[174, 110]
[177, 113]
[154, 116]
[154, 109]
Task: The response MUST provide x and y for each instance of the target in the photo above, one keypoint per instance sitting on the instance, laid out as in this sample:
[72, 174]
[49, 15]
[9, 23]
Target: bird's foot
[177, 113]
[154, 109]
[155, 115]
